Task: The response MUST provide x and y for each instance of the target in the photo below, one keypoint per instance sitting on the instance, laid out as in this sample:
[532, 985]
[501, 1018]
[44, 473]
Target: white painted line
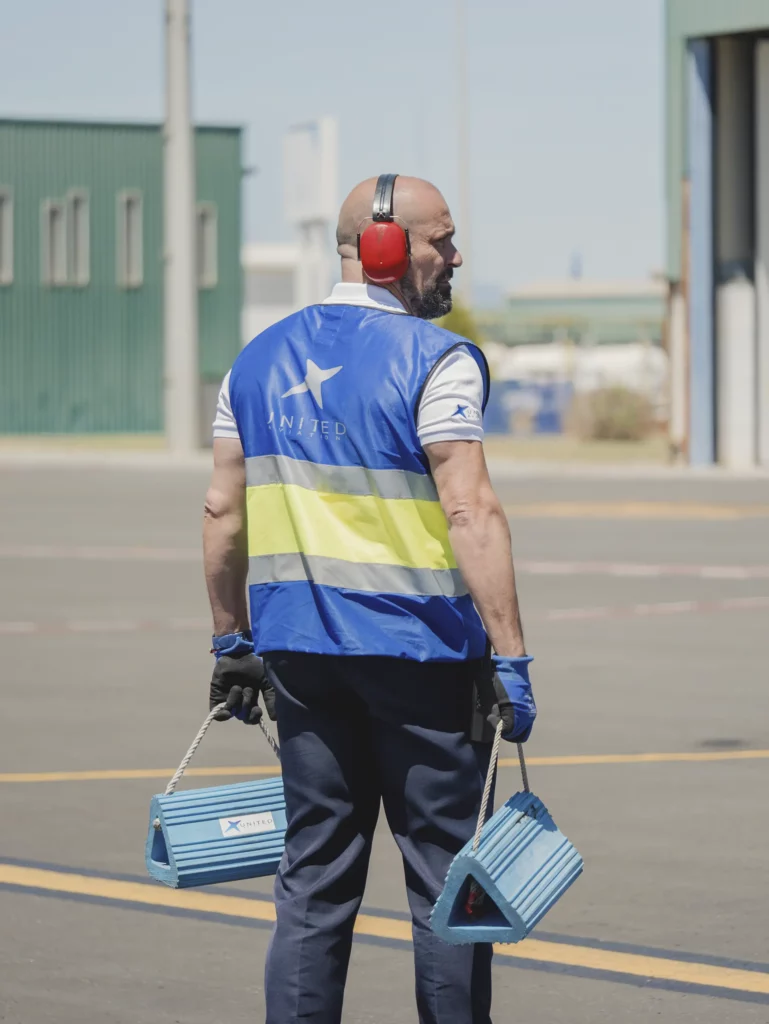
[91, 553]
[553, 615]
[547, 568]
[661, 608]
[676, 607]
[726, 572]
[633, 569]
[181, 625]
[538, 567]
[578, 613]
[100, 626]
[745, 602]
[17, 628]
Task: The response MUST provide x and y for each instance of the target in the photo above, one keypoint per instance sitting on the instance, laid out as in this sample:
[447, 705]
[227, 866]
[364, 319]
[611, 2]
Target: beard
[435, 301]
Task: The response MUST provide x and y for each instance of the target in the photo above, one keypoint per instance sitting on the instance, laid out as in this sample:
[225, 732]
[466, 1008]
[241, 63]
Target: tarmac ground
[646, 605]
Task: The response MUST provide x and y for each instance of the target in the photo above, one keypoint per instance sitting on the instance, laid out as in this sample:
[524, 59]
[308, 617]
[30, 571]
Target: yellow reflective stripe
[286, 518]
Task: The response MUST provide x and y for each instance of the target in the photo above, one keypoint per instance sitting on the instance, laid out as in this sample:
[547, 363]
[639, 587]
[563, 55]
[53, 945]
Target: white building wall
[271, 286]
[678, 392]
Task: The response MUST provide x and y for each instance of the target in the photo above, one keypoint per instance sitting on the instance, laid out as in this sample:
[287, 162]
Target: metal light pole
[463, 156]
[182, 376]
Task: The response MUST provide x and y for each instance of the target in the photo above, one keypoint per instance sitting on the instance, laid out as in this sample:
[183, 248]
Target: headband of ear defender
[384, 248]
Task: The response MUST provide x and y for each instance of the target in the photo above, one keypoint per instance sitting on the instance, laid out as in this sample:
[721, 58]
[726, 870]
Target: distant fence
[524, 408]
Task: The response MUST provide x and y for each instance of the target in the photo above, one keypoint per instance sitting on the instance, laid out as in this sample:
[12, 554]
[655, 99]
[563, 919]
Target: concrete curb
[500, 468]
[73, 459]
[512, 469]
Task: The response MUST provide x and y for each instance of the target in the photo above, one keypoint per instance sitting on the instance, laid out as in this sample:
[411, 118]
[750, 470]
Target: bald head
[417, 205]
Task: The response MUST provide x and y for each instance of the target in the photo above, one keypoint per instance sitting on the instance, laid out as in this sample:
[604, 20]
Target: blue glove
[232, 645]
[515, 701]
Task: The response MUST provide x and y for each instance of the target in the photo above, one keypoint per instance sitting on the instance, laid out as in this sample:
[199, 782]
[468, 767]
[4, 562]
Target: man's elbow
[216, 506]
[472, 510]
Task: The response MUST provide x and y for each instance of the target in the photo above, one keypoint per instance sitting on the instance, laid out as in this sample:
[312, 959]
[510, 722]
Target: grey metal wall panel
[701, 128]
[684, 20]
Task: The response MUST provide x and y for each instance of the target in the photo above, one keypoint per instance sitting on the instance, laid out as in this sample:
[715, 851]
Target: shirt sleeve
[224, 422]
[451, 408]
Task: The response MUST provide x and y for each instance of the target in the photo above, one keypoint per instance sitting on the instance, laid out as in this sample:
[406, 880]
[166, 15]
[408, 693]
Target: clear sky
[566, 104]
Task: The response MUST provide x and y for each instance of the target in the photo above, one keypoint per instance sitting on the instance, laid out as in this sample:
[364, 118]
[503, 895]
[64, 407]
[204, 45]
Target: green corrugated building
[81, 272]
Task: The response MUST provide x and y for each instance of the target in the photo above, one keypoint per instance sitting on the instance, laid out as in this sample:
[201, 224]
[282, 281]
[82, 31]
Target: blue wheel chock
[217, 834]
[522, 866]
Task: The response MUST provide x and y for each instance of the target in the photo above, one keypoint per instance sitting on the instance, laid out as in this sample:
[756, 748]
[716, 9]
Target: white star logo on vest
[314, 379]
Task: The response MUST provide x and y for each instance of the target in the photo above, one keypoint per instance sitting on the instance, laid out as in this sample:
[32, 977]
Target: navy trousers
[356, 733]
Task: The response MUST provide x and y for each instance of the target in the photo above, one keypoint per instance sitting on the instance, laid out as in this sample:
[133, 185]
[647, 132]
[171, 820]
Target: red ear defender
[384, 252]
[384, 248]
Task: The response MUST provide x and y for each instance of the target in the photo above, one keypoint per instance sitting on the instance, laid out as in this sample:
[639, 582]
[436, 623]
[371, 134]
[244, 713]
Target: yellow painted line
[575, 759]
[388, 928]
[634, 510]
[234, 771]
[639, 966]
[135, 892]
[118, 774]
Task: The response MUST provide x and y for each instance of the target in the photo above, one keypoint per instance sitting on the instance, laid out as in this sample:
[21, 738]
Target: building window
[78, 232]
[206, 229]
[6, 236]
[130, 239]
[53, 243]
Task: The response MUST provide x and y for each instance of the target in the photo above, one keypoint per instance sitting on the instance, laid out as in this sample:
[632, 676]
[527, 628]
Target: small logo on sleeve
[467, 412]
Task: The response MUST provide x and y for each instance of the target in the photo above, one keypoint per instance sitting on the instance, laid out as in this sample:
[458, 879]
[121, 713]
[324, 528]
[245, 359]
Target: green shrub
[612, 414]
[461, 321]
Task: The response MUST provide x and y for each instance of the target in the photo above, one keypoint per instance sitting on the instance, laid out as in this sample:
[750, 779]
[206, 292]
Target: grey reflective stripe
[367, 576]
[356, 480]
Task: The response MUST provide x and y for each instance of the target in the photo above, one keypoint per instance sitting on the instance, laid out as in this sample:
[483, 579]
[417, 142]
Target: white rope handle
[524, 773]
[199, 739]
[269, 737]
[487, 788]
[490, 781]
[476, 895]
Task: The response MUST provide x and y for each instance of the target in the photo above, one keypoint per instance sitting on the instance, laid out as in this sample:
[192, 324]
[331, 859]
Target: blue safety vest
[348, 545]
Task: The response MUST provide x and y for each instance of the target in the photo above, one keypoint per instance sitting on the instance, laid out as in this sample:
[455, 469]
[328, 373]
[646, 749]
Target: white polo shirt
[451, 407]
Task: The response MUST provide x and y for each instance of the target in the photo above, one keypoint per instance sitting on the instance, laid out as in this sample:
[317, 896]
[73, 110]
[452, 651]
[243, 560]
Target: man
[350, 485]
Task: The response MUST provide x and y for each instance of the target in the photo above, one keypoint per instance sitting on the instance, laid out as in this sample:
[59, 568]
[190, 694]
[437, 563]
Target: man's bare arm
[480, 539]
[225, 544]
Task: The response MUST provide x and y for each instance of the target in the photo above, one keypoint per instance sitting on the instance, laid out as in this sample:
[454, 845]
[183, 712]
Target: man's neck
[352, 273]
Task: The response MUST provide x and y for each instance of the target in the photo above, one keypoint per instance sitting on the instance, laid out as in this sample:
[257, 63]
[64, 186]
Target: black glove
[236, 681]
